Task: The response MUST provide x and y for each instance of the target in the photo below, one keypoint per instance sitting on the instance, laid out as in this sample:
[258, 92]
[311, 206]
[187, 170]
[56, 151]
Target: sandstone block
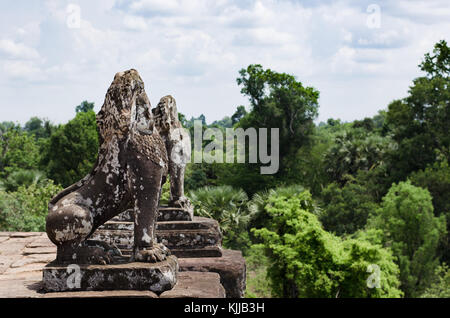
[196, 285]
[156, 277]
[230, 267]
[174, 214]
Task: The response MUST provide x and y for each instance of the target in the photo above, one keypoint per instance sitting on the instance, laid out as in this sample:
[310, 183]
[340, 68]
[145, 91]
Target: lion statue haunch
[131, 165]
[178, 146]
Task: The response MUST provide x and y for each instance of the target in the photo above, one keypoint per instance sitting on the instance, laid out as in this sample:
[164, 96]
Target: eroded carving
[178, 146]
[131, 165]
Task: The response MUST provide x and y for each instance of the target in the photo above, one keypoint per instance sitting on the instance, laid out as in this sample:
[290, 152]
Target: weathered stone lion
[131, 165]
[178, 146]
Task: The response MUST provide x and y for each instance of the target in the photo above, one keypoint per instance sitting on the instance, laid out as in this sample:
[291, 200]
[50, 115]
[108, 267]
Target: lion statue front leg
[145, 179]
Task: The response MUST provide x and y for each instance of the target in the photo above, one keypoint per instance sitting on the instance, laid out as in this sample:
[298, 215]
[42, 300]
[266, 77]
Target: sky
[360, 55]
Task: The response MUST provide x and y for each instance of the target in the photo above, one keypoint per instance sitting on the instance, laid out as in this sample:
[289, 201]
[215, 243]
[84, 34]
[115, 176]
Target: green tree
[84, 107]
[440, 285]
[257, 206]
[354, 150]
[18, 151]
[5, 126]
[413, 233]
[229, 207]
[436, 178]
[346, 209]
[71, 151]
[38, 127]
[21, 177]
[195, 176]
[421, 122]
[307, 261]
[238, 114]
[225, 122]
[27, 208]
[367, 124]
[278, 100]
[256, 264]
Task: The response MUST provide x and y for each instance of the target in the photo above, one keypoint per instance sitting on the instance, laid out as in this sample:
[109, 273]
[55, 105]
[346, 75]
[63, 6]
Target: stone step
[206, 251]
[196, 224]
[165, 213]
[170, 238]
[189, 238]
[200, 237]
[117, 225]
[174, 214]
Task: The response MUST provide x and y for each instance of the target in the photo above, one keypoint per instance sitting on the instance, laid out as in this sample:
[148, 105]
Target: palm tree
[355, 151]
[229, 207]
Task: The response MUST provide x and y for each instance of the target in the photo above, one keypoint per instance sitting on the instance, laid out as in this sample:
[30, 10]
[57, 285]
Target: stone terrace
[23, 255]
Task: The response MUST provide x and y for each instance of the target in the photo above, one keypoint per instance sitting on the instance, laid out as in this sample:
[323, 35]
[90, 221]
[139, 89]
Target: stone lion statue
[178, 146]
[132, 163]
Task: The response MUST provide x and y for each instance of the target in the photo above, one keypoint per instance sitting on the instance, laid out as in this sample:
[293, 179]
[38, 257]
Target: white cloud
[194, 49]
[23, 70]
[17, 50]
[263, 37]
[135, 23]
[422, 11]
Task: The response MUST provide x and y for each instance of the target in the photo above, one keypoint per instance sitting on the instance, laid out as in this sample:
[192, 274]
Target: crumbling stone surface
[165, 213]
[156, 277]
[175, 214]
[103, 294]
[230, 267]
[196, 285]
[24, 279]
[22, 253]
[200, 237]
[125, 216]
[198, 223]
[26, 287]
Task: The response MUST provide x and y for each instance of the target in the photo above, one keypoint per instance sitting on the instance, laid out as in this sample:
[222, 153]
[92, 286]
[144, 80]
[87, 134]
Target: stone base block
[196, 285]
[103, 294]
[174, 214]
[177, 239]
[230, 267]
[189, 285]
[165, 213]
[155, 277]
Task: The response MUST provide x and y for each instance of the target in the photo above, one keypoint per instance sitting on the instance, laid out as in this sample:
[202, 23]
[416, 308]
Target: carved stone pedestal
[185, 235]
[196, 241]
[165, 213]
[123, 275]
